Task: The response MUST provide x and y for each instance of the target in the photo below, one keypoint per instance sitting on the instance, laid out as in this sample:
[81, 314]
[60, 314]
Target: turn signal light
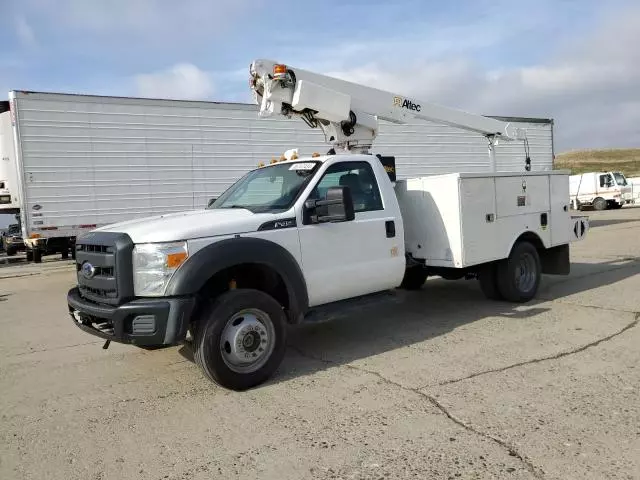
[174, 260]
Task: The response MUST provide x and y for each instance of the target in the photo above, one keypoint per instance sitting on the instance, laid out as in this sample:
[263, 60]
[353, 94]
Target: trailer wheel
[11, 251]
[37, 255]
[239, 339]
[519, 275]
[29, 254]
[488, 279]
[599, 204]
[414, 278]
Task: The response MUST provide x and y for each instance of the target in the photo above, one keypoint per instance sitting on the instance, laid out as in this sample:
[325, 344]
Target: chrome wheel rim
[525, 273]
[247, 340]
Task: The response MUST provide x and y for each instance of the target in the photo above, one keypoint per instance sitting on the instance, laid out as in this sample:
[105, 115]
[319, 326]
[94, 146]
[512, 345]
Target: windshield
[268, 189]
[620, 179]
[13, 230]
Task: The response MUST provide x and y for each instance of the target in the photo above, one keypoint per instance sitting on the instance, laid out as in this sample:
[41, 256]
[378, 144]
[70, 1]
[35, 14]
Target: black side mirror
[211, 202]
[336, 207]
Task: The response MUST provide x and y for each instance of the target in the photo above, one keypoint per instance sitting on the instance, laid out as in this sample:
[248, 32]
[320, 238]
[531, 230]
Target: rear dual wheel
[414, 278]
[516, 278]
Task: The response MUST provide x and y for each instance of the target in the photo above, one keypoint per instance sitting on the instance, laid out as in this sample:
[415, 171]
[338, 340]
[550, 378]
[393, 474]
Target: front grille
[103, 267]
[100, 271]
[94, 248]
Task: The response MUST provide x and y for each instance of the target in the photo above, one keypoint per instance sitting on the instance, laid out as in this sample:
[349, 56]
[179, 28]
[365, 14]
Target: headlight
[153, 266]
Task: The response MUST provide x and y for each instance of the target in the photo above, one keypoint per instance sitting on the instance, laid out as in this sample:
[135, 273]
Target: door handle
[390, 227]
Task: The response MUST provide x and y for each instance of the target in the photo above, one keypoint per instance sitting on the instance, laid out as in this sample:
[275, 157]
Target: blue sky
[574, 61]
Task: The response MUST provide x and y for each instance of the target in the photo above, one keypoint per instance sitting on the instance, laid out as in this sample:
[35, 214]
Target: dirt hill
[625, 160]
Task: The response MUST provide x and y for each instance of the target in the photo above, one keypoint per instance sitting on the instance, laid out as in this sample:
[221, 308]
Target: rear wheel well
[533, 239]
[248, 275]
[554, 260]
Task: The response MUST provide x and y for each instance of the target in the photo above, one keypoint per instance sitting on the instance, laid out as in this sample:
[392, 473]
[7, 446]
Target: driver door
[352, 258]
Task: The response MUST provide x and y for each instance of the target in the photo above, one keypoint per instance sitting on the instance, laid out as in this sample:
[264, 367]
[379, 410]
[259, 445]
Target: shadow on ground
[594, 223]
[403, 318]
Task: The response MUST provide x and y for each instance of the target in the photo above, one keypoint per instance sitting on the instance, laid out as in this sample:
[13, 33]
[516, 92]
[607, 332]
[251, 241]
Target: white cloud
[25, 32]
[590, 88]
[182, 81]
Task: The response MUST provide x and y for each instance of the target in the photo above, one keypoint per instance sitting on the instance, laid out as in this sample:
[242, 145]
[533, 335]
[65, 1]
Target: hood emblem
[88, 270]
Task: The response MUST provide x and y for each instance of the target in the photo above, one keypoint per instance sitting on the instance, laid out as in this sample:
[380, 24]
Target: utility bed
[459, 220]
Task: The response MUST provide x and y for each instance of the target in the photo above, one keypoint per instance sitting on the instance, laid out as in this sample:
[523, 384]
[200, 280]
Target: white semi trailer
[72, 163]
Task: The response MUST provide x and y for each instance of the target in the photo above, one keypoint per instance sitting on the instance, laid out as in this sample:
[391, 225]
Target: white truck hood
[189, 224]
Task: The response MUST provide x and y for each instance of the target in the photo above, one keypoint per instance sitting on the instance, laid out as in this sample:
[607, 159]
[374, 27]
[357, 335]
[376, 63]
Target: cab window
[606, 181]
[360, 179]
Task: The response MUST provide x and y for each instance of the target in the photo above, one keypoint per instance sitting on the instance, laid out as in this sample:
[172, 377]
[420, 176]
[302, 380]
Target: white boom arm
[348, 113]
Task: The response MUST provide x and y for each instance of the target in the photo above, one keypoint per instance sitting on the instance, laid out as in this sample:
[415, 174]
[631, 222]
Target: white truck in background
[80, 162]
[601, 190]
[309, 237]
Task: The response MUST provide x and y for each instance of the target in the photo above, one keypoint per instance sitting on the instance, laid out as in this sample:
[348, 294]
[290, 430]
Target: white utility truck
[601, 190]
[306, 238]
[80, 162]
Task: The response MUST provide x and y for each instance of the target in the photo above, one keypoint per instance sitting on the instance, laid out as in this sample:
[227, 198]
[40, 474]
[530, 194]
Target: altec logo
[405, 103]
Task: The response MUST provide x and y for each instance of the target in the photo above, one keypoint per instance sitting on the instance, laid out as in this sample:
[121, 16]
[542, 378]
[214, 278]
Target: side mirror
[336, 207]
[211, 201]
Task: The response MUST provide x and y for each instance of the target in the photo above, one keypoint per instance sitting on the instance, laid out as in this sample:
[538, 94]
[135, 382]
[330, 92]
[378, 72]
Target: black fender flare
[205, 263]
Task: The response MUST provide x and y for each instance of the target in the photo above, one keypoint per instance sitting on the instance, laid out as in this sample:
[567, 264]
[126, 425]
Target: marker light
[279, 70]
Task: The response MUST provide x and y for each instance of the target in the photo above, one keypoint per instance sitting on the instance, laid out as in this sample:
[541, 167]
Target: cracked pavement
[436, 384]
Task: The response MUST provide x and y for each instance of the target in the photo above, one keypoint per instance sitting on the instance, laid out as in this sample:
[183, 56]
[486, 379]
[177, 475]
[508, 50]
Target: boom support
[348, 113]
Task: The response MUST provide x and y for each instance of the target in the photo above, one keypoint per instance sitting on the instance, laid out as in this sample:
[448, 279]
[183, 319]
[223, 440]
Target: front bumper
[161, 321]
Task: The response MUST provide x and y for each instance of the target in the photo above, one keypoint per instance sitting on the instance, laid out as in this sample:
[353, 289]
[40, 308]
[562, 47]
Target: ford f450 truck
[302, 236]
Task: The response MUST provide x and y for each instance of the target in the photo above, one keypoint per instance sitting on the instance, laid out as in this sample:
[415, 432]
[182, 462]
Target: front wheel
[240, 338]
[518, 276]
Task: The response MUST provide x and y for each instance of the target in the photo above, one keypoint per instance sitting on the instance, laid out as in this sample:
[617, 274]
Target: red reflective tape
[48, 228]
[88, 226]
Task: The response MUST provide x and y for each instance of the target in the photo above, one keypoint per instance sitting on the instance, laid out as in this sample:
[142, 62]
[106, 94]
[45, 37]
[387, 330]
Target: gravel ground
[437, 384]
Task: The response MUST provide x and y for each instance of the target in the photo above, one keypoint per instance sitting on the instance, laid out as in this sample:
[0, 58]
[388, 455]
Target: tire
[599, 204]
[37, 255]
[65, 255]
[265, 327]
[29, 254]
[11, 252]
[518, 276]
[488, 279]
[414, 278]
